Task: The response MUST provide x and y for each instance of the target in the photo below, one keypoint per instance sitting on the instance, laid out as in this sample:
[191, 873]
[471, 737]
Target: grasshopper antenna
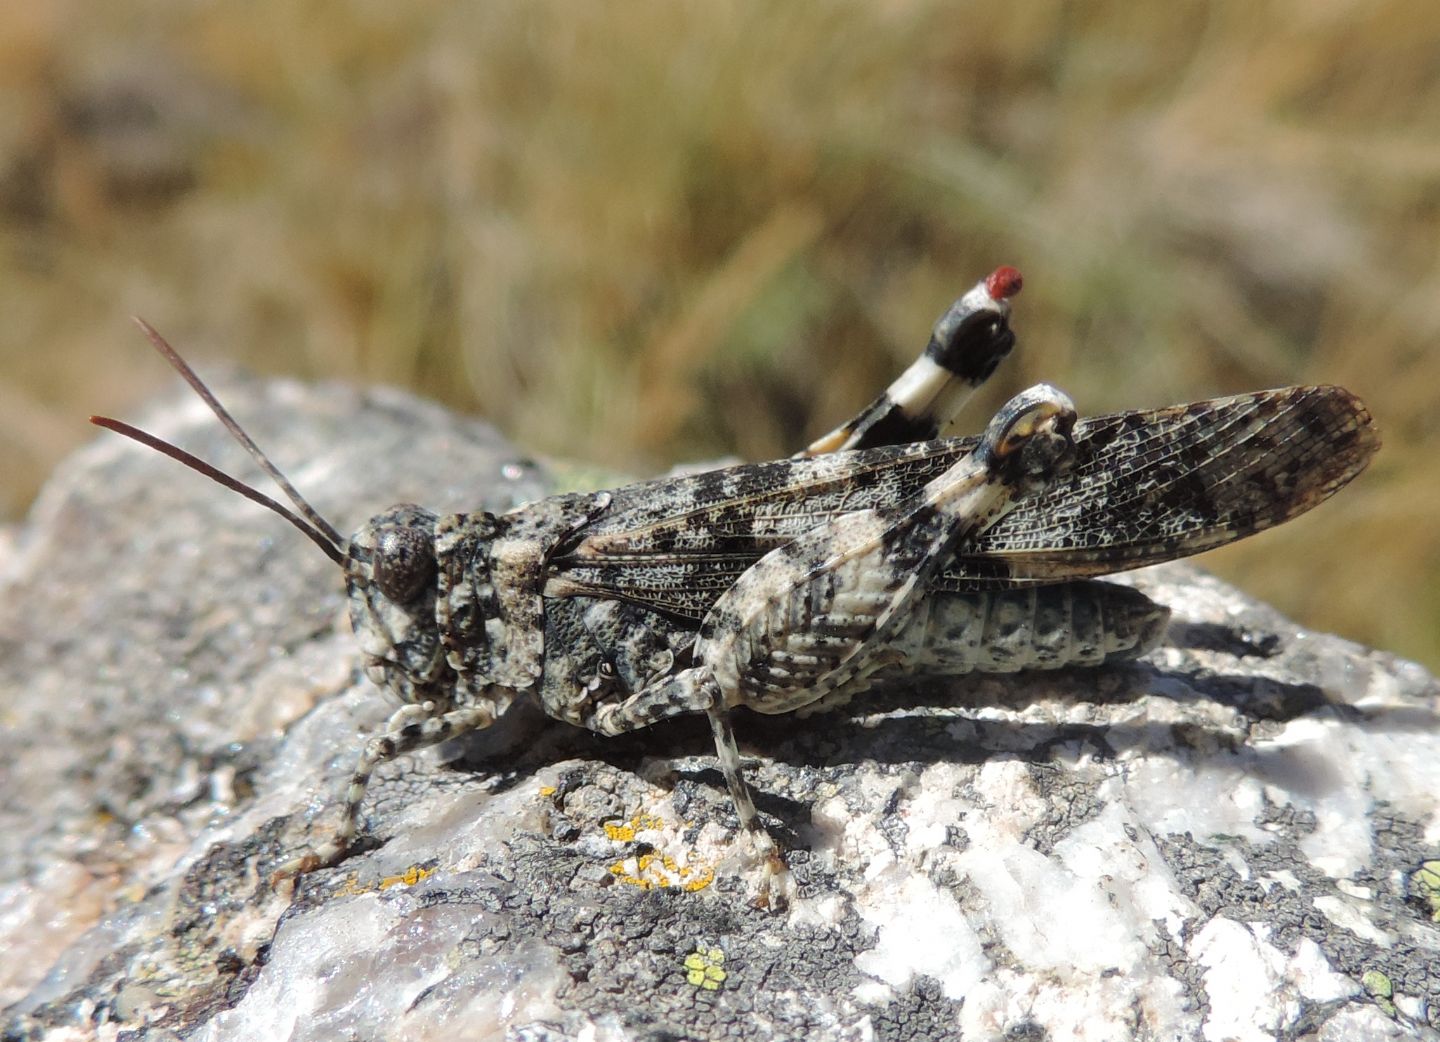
[309, 521]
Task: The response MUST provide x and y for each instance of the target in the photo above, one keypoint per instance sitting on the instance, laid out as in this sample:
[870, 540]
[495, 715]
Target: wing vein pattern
[1147, 486]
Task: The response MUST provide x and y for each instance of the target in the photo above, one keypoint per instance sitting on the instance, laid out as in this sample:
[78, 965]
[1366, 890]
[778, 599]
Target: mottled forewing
[1155, 486]
[676, 544]
[1147, 486]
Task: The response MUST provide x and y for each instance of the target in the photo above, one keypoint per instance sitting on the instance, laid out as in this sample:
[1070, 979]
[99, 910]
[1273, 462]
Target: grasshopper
[793, 585]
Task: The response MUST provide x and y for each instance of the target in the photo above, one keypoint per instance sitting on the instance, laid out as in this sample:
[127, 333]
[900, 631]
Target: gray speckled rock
[1214, 843]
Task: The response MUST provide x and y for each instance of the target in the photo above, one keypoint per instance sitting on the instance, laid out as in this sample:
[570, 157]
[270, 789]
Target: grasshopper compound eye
[404, 563]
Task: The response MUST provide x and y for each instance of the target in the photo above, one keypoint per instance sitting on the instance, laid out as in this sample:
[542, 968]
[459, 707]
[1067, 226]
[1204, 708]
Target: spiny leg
[690, 691]
[411, 734]
[727, 754]
[966, 345]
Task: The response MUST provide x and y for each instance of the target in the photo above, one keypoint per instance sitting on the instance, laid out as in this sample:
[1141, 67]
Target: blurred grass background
[646, 232]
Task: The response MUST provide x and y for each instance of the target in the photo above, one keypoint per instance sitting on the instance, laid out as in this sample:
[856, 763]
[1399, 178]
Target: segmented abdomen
[1041, 627]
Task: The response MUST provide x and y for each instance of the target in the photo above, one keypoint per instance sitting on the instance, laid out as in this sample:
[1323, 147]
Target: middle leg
[690, 691]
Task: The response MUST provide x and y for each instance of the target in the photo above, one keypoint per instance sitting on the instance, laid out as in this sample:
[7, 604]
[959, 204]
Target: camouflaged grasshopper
[793, 585]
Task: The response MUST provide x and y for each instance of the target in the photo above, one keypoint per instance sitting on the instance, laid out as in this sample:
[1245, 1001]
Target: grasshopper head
[392, 580]
[1030, 441]
[391, 571]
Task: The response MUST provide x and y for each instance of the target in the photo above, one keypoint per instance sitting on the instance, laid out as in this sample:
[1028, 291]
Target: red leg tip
[1004, 282]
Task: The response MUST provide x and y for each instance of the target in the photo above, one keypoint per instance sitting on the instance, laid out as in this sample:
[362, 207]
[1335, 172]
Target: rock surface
[1219, 842]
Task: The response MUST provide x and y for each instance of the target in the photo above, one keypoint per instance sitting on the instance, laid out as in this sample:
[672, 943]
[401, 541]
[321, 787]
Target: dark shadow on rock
[1230, 640]
[837, 739]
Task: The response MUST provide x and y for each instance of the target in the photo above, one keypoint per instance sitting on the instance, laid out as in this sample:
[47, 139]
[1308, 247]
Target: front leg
[410, 728]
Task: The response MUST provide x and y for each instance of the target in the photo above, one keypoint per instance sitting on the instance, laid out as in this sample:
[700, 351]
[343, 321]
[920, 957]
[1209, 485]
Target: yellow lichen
[1425, 886]
[651, 870]
[409, 877]
[704, 968]
[352, 887]
[625, 832]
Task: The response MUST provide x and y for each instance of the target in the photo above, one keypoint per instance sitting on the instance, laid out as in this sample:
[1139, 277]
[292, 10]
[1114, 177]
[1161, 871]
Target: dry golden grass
[640, 232]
